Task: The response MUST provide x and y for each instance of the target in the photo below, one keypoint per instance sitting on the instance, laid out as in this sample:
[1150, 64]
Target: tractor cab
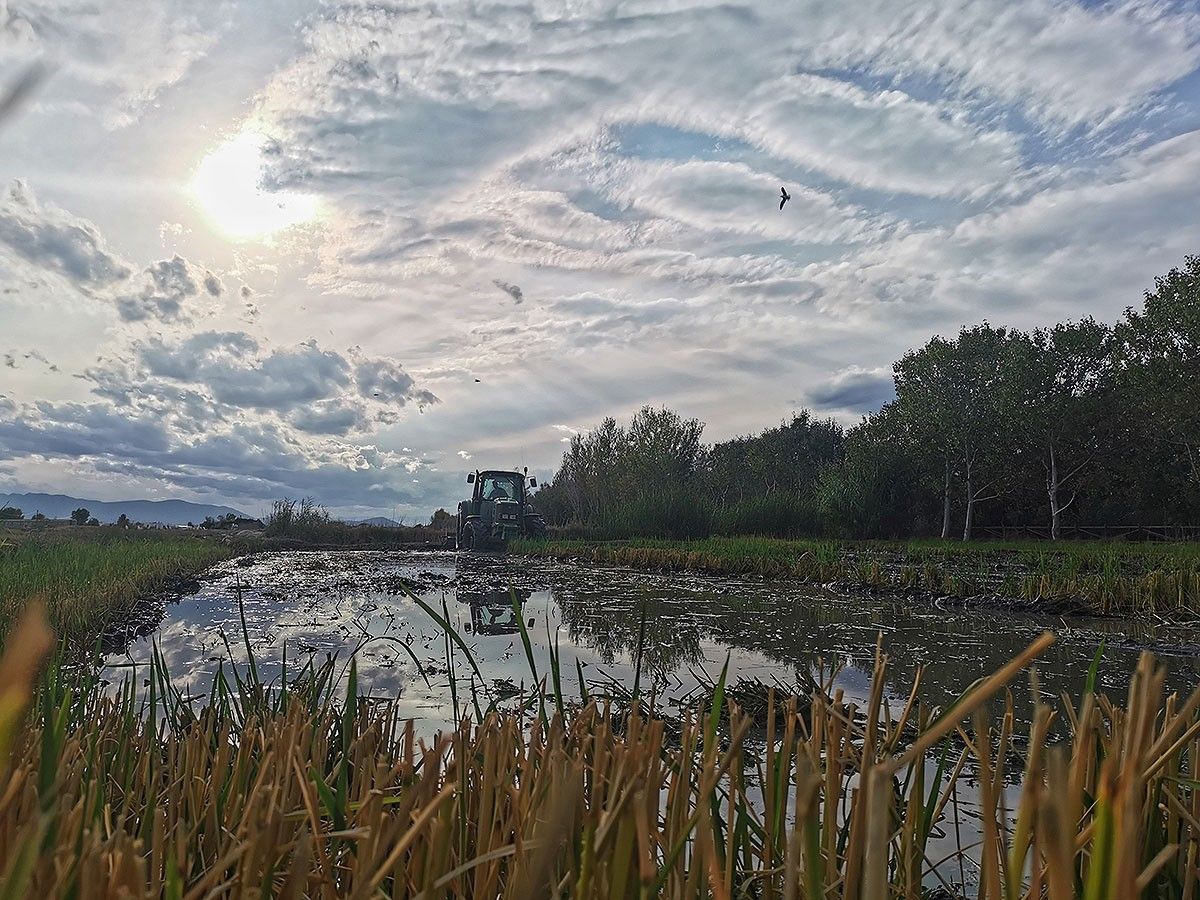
[499, 509]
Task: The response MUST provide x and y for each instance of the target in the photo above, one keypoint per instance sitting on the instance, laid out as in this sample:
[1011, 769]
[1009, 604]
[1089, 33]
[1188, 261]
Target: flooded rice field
[307, 605]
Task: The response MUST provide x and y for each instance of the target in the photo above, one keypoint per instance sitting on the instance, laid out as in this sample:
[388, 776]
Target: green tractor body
[499, 510]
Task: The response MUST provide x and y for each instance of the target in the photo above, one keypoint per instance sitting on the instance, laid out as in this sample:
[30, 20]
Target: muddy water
[310, 604]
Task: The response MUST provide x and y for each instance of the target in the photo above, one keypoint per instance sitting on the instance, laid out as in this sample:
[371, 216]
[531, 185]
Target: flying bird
[477, 381]
[785, 197]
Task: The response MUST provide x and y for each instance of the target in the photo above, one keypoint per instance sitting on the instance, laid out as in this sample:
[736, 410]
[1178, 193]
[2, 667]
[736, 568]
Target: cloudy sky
[257, 248]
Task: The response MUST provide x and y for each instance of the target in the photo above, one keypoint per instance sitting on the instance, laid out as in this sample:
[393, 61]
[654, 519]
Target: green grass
[89, 577]
[1107, 578]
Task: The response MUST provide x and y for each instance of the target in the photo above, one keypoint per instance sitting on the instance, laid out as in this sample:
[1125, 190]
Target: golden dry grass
[1107, 578]
[299, 795]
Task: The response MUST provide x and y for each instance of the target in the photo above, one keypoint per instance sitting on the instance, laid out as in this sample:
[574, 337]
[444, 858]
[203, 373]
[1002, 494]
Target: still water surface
[310, 604]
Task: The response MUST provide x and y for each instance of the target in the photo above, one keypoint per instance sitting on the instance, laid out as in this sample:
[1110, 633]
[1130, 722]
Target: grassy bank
[298, 794]
[90, 576]
[1108, 578]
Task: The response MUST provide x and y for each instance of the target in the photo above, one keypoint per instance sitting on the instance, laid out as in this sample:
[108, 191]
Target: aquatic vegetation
[286, 790]
[1109, 579]
[92, 579]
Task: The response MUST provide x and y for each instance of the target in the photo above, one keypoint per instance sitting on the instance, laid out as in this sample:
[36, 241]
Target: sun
[228, 187]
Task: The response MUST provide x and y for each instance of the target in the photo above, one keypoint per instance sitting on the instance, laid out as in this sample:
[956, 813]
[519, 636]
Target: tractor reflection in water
[493, 611]
[499, 509]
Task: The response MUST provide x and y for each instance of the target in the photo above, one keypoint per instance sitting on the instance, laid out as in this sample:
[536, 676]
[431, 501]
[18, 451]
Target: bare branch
[1075, 471]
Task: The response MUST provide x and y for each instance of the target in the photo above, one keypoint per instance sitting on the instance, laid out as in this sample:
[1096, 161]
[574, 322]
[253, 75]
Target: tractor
[499, 509]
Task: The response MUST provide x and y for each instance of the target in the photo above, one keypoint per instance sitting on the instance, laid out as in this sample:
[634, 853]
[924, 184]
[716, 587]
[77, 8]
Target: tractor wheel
[535, 527]
[474, 536]
[464, 536]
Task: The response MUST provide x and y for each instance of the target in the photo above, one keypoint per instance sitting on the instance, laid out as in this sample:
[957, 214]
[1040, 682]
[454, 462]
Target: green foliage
[80, 516]
[1080, 422]
[668, 511]
[656, 478]
[11, 512]
[90, 580]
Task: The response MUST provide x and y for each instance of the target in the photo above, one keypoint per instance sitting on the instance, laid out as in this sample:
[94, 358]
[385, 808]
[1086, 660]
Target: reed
[1107, 579]
[95, 576]
[289, 791]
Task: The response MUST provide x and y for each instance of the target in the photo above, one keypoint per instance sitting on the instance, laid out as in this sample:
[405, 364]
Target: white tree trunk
[946, 503]
[1052, 490]
[970, 503]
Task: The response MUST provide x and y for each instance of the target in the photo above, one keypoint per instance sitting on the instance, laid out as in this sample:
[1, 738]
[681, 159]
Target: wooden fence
[1092, 532]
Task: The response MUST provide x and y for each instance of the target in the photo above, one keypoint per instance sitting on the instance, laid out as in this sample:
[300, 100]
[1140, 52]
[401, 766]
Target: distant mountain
[384, 521]
[168, 512]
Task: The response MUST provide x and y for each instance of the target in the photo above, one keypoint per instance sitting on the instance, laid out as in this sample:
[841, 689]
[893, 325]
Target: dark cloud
[218, 376]
[854, 390]
[330, 417]
[167, 289]
[259, 459]
[52, 239]
[384, 380]
[232, 367]
[213, 284]
[511, 289]
[77, 430]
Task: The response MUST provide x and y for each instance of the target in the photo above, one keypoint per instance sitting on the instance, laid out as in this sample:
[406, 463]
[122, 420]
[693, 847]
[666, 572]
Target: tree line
[79, 516]
[1083, 422]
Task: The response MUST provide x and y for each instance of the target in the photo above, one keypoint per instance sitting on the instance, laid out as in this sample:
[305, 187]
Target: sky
[353, 249]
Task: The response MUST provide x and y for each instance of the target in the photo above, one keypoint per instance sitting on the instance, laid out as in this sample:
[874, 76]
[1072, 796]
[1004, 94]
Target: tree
[123, 521]
[928, 398]
[442, 521]
[80, 516]
[876, 490]
[38, 517]
[553, 503]
[662, 446]
[991, 398]
[93, 522]
[960, 397]
[1158, 357]
[1066, 374]
[11, 512]
[787, 459]
[591, 468]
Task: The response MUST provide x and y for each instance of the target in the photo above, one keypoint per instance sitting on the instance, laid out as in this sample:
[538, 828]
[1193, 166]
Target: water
[310, 604]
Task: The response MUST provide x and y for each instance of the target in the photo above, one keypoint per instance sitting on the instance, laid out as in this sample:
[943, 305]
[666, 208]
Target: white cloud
[575, 204]
[111, 59]
[1064, 62]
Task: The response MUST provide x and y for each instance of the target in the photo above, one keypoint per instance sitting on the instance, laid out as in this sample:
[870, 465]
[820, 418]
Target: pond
[310, 604]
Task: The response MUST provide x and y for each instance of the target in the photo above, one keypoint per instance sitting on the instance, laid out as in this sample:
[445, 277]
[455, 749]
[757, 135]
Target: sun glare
[228, 188]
